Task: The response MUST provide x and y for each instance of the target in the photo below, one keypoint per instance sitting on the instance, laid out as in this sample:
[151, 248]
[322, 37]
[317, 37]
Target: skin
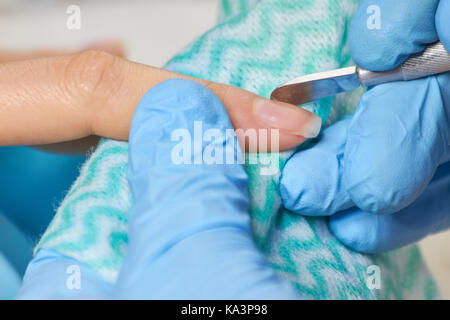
[62, 102]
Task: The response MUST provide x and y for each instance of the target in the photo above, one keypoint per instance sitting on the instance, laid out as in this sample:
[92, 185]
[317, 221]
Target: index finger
[68, 97]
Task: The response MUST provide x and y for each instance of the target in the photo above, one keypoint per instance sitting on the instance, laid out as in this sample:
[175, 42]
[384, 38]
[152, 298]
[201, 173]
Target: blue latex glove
[190, 235]
[15, 254]
[22, 172]
[9, 279]
[23, 200]
[374, 168]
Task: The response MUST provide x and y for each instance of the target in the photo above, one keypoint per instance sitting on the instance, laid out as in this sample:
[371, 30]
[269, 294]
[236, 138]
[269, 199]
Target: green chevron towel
[257, 45]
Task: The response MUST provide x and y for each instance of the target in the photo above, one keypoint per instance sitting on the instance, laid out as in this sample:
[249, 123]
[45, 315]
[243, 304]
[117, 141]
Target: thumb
[190, 231]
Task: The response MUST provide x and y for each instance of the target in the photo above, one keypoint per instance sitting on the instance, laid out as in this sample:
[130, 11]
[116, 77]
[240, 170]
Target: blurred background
[151, 31]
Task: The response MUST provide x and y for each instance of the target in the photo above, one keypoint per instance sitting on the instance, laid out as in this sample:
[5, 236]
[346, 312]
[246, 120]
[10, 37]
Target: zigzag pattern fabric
[257, 45]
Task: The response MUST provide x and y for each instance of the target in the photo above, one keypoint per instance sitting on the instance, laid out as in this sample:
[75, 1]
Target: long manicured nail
[285, 116]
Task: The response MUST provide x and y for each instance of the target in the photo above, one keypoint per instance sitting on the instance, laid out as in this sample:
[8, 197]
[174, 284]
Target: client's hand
[190, 235]
[46, 99]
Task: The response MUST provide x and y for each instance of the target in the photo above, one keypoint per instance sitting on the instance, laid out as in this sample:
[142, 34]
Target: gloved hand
[376, 167]
[189, 233]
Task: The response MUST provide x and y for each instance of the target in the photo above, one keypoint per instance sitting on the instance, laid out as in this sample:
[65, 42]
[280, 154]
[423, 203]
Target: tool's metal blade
[317, 86]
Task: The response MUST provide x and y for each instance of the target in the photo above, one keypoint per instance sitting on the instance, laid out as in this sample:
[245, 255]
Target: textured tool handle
[433, 60]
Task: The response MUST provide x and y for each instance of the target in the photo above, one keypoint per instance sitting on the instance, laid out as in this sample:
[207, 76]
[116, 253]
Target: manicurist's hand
[385, 169]
[189, 228]
[190, 233]
[48, 97]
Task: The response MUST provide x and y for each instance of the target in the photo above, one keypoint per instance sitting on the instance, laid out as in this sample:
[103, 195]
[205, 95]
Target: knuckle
[93, 75]
[227, 94]
[211, 85]
[215, 88]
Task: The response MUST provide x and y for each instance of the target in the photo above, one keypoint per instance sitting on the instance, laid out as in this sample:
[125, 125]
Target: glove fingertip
[310, 189]
[158, 106]
[357, 230]
[170, 118]
[385, 34]
[310, 182]
[369, 54]
[294, 187]
[370, 45]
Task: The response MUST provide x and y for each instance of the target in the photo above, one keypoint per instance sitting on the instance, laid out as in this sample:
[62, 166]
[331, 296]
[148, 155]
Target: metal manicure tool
[434, 60]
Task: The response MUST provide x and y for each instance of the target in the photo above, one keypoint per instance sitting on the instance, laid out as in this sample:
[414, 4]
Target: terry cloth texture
[257, 45]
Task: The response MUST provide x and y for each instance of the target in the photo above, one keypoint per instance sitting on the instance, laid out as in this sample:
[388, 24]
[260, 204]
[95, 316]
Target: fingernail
[287, 117]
